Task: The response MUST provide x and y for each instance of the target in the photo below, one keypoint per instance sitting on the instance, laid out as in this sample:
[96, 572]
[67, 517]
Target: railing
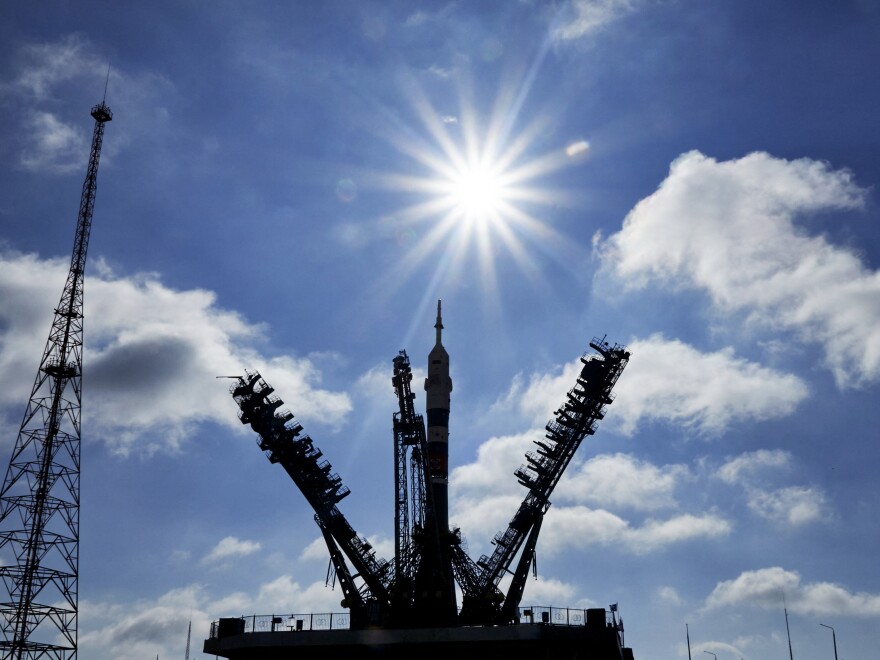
[557, 616]
[534, 615]
[281, 623]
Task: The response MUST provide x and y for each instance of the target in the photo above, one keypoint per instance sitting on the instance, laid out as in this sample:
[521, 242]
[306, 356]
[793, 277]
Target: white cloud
[745, 465]
[585, 17]
[49, 64]
[147, 627]
[150, 350]
[283, 595]
[487, 494]
[765, 588]
[229, 547]
[621, 480]
[492, 471]
[144, 628]
[711, 391]
[669, 595]
[656, 534]
[55, 145]
[580, 526]
[795, 505]
[480, 517]
[55, 139]
[536, 399]
[716, 647]
[316, 550]
[548, 591]
[728, 228]
[417, 18]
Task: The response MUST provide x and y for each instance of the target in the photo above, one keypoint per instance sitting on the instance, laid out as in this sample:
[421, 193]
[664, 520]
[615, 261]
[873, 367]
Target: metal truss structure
[39, 500]
[417, 588]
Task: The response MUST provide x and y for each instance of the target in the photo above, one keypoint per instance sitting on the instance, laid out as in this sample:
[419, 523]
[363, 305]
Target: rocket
[438, 387]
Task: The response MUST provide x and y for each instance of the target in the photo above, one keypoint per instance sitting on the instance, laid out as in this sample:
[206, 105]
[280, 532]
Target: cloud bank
[231, 546]
[728, 228]
[764, 588]
[793, 505]
[670, 381]
[150, 350]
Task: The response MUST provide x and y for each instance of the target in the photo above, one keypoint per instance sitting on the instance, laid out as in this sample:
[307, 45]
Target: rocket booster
[438, 387]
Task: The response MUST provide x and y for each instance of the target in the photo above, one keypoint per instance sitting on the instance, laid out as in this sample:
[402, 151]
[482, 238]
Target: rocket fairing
[438, 387]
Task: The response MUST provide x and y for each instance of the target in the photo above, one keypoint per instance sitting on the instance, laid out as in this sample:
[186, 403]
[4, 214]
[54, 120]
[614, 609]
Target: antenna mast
[788, 632]
[39, 499]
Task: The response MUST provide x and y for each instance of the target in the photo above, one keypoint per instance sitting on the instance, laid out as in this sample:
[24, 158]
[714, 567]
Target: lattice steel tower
[39, 501]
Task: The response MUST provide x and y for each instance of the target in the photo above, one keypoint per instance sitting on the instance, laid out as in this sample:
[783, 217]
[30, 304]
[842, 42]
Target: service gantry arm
[577, 418]
[283, 441]
[409, 436]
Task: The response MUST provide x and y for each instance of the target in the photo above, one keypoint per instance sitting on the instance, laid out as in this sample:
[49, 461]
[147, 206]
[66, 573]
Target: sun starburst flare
[477, 186]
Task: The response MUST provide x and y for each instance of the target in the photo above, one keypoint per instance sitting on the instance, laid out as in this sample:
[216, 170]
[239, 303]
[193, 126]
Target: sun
[478, 185]
[477, 192]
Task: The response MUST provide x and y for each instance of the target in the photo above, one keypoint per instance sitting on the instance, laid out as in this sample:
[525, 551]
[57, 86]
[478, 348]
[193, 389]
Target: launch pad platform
[541, 633]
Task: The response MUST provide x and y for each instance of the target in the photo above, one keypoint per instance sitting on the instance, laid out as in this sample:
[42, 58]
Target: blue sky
[291, 187]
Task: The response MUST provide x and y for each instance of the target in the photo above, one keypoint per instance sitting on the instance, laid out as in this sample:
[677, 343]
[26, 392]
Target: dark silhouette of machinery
[417, 588]
[39, 500]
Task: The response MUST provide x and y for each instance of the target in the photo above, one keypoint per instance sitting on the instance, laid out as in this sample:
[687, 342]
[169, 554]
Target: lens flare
[475, 183]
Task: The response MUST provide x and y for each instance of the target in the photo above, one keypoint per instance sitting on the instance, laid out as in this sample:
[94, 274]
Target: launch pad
[409, 605]
[595, 637]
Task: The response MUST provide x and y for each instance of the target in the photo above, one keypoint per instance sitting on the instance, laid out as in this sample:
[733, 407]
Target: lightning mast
[39, 499]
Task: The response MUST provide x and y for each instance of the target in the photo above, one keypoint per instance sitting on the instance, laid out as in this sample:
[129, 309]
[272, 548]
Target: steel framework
[416, 588]
[39, 500]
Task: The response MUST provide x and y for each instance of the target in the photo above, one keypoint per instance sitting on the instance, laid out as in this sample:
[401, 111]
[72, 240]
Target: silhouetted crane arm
[284, 443]
[584, 406]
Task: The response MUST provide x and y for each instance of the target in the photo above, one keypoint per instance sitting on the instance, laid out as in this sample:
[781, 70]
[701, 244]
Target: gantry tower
[416, 589]
[39, 500]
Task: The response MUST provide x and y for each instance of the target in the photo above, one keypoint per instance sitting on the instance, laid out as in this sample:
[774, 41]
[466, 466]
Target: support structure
[575, 419]
[39, 499]
[417, 589]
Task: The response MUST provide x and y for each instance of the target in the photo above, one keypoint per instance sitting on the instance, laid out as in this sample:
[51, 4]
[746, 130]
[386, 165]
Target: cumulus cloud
[493, 468]
[316, 550]
[150, 350]
[487, 494]
[793, 505]
[715, 647]
[580, 526]
[621, 480]
[547, 590]
[746, 465]
[585, 17]
[51, 63]
[229, 547]
[765, 587]
[55, 146]
[56, 140]
[669, 595]
[49, 143]
[147, 627]
[728, 228]
[144, 628]
[282, 595]
[710, 392]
